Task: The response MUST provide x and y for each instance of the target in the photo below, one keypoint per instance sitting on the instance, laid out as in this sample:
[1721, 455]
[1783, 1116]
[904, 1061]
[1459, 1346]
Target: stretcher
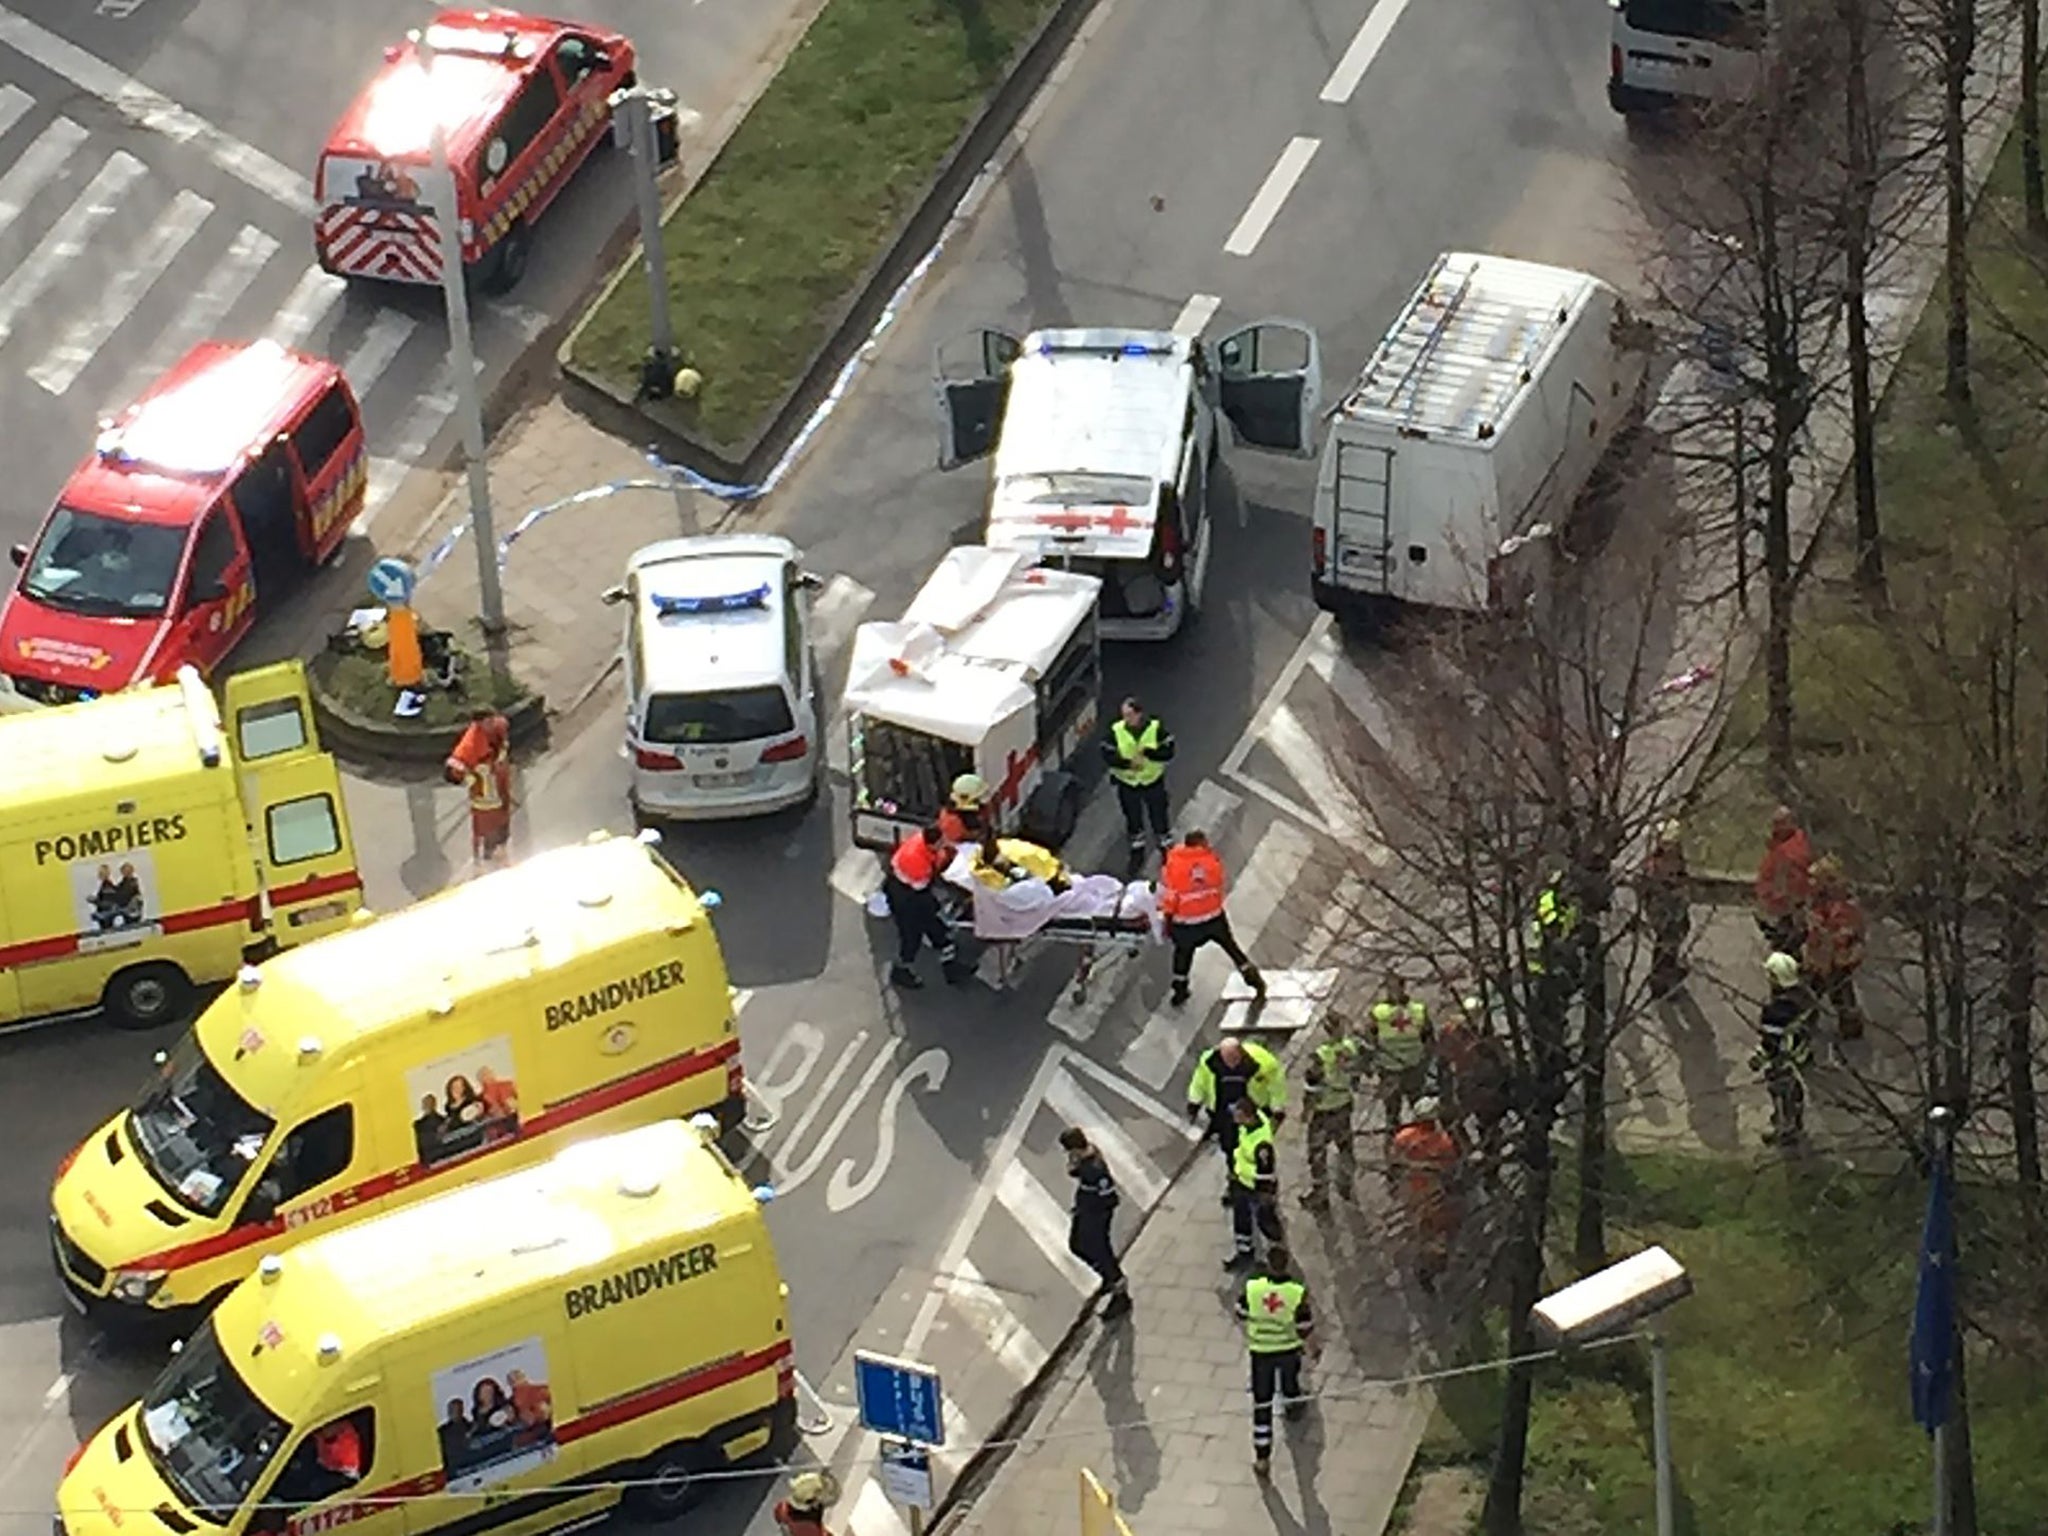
[1098, 915]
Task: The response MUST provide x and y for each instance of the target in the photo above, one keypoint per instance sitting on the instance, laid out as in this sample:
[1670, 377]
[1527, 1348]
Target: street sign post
[906, 1475]
[899, 1399]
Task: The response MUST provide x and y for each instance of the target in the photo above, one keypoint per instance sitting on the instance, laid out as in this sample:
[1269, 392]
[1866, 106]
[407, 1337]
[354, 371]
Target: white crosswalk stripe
[1043, 1221]
[368, 359]
[1131, 1168]
[14, 105]
[139, 271]
[70, 235]
[231, 276]
[38, 166]
[311, 300]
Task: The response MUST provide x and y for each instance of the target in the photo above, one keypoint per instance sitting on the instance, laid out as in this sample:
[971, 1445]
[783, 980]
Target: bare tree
[2030, 120]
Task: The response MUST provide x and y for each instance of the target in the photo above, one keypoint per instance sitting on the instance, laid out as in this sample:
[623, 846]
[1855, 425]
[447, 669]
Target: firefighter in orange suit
[1191, 897]
[482, 764]
[914, 869]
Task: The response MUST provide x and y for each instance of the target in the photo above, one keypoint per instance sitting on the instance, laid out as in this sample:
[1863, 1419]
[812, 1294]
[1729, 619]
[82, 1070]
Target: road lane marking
[985, 1311]
[247, 254]
[14, 105]
[137, 273]
[857, 873]
[1288, 739]
[69, 236]
[1128, 1164]
[1268, 875]
[1290, 673]
[381, 343]
[1265, 206]
[1044, 1221]
[1365, 47]
[42, 160]
[312, 296]
[1196, 314]
[148, 109]
[835, 613]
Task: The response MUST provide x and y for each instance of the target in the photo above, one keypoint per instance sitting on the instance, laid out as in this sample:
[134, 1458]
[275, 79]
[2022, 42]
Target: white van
[1470, 434]
[1662, 52]
[722, 716]
[1106, 448]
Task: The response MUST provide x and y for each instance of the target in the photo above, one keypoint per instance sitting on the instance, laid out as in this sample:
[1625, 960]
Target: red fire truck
[522, 101]
[236, 473]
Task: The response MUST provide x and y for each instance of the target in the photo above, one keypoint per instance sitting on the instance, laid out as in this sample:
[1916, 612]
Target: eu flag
[1934, 1309]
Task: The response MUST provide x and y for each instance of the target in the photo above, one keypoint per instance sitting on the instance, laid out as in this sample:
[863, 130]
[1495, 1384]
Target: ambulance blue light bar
[666, 607]
[1049, 348]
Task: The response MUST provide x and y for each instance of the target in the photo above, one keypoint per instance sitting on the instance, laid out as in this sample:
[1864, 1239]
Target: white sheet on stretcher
[1026, 908]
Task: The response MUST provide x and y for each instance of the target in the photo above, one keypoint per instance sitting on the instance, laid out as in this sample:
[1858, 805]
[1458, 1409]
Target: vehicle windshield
[209, 1435]
[195, 1133]
[1080, 489]
[105, 567]
[1712, 21]
[717, 719]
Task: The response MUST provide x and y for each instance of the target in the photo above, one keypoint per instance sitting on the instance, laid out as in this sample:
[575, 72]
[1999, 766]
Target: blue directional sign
[392, 581]
[899, 1398]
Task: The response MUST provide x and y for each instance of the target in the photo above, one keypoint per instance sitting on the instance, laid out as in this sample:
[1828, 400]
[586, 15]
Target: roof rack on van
[667, 607]
[1411, 376]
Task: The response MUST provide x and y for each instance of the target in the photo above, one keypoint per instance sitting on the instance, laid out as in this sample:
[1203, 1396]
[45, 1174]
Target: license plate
[719, 780]
[874, 829]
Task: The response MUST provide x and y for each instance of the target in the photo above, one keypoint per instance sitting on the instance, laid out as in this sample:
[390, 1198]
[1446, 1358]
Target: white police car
[722, 716]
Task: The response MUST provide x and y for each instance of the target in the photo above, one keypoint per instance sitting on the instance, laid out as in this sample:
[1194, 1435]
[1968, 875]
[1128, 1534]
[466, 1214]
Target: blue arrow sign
[392, 581]
[899, 1398]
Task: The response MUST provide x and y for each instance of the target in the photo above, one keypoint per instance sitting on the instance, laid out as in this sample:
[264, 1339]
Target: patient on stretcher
[1021, 889]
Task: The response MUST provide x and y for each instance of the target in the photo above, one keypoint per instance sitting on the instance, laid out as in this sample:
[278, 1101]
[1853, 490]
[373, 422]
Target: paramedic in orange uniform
[1191, 897]
[1426, 1156]
[914, 868]
[482, 764]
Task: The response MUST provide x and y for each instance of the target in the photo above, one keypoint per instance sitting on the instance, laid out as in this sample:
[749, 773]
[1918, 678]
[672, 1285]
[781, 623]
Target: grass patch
[1788, 1365]
[1951, 493]
[357, 682]
[806, 196]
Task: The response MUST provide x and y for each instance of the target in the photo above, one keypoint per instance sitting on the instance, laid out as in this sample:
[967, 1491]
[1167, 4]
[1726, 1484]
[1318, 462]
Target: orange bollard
[402, 657]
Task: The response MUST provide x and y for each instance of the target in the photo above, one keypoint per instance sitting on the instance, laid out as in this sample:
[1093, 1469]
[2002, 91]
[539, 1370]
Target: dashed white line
[42, 160]
[70, 235]
[1265, 205]
[1365, 47]
[1196, 314]
[148, 109]
[137, 273]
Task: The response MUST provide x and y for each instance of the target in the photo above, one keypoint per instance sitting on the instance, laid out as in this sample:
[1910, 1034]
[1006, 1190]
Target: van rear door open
[291, 798]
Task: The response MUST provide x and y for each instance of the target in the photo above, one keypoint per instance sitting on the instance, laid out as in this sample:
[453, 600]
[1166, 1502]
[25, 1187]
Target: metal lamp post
[1605, 1303]
[640, 114]
[462, 354]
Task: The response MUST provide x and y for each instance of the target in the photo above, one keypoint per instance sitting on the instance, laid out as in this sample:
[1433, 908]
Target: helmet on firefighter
[1782, 969]
[969, 791]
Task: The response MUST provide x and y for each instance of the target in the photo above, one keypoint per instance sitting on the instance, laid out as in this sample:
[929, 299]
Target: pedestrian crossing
[119, 251]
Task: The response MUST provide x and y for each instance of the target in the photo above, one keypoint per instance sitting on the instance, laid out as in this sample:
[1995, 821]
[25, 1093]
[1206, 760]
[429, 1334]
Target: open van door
[291, 798]
[1271, 384]
[971, 375]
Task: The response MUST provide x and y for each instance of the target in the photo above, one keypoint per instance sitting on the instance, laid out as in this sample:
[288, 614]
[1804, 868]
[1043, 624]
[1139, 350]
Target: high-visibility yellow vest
[1338, 1060]
[1397, 1029]
[1271, 1308]
[1555, 920]
[1244, 1157]
[1129, 744]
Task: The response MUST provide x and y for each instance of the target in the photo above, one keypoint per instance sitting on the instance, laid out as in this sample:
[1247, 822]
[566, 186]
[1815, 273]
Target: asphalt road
[76, 338]
[1471, 126]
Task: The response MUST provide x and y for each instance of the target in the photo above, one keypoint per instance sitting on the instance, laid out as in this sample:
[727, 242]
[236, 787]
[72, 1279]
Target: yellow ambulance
[581, 990]
[521, 1355]
[147, 848]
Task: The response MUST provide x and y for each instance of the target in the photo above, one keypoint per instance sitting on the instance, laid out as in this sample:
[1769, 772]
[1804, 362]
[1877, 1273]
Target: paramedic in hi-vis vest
[914, 869]
[1235, 1069]
[1400, 1046]
[1137, 749]
[1191, 897]
[482, 764]
[1254, 1184]
[1329, 1092]
[1278, 1329]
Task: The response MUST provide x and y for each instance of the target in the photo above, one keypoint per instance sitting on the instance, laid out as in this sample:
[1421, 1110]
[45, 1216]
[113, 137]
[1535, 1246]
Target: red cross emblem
[1273, 1302]
[1014, 772]
[1118, 520]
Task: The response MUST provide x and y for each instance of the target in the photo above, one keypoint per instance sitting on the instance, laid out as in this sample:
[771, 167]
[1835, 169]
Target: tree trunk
[2019, 967]
[1502, 1514]
[1959, 18]
[2030, 118]
[1589, 1240]
[1778, 596]
[1860, 197]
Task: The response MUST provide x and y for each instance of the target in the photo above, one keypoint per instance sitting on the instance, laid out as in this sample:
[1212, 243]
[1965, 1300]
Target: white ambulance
[1106, 447]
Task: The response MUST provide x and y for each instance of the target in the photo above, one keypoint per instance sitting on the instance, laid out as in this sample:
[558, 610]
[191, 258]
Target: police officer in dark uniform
[1089, 1239]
